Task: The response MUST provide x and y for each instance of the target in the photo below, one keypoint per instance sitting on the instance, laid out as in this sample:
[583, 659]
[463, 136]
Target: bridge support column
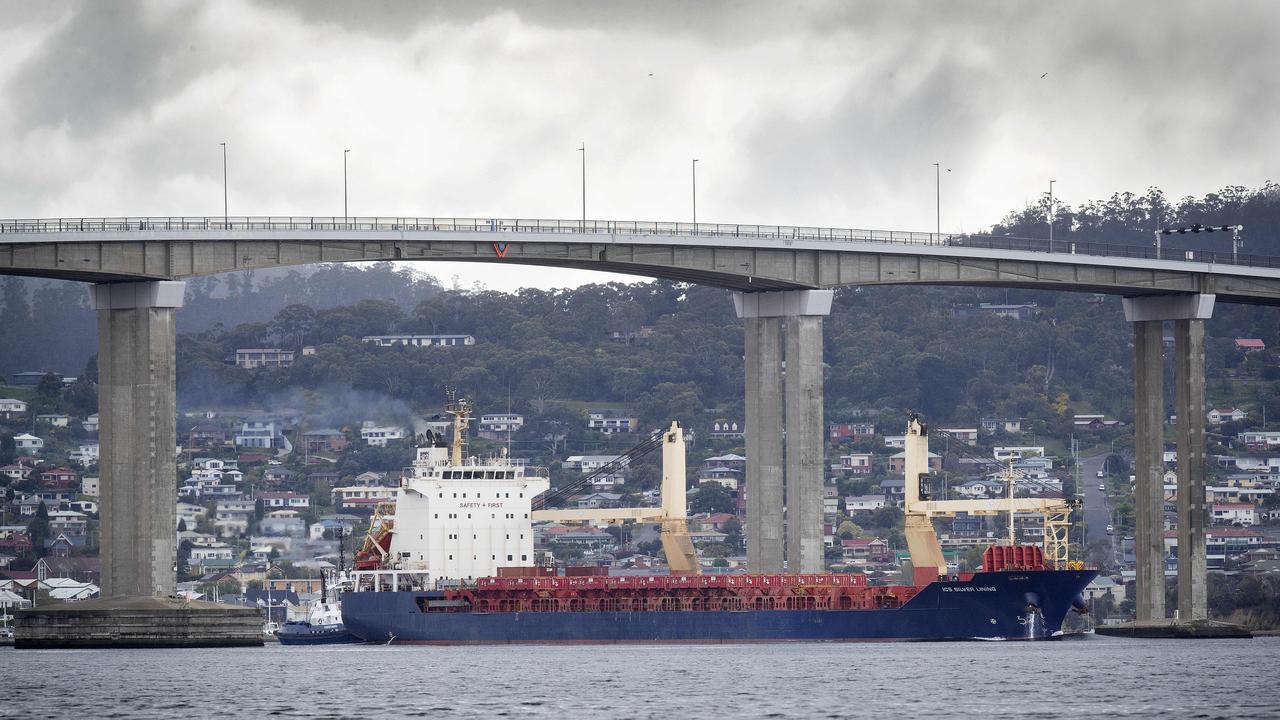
[1148, 315]
[763, 426]
[1192, 514]
[136, 404]
[763, 315]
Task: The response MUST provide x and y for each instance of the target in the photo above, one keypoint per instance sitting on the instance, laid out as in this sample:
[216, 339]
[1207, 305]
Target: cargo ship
[454, 565]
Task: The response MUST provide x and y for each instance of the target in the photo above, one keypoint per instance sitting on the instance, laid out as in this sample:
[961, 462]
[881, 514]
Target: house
[284, 500]
[232, 517]
[420, 340]
[1242, 514]
[263, 357]
[324, 440]
[994, 425]
[216, 551]
[89, 507]
[727, 429]
[726, 476]
[263, 434]
[976, 489]
[30, 378]
[898, 461]
[969, 436]
[731, 461]
[596, 500]
[1256, 440]
[380, 436]
[85, 455]
[11, 408]
[64, 545]
[588, 463]
[1016, 452]
[894, 489]
[712, 521]
[90, 424]
[17, 472]
[644, 332]
[90, 486]
[1217, 416]
[59, 478]
[865, 549]
[895, 441]
[863, 503]
[28, 444]
[1103, 585]
[1093, 422]
[1249, 344]
[363, 496]
[857, 463]
[206, 435]
[611, 422]
[190, 514]
[283, 523]
[608, 481]
[54, 420]
[498, 426]
[277, 475]
[844, 432]
[68, 522]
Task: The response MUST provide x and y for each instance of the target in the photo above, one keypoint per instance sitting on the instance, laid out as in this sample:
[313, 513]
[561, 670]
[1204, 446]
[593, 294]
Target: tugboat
[323, 626]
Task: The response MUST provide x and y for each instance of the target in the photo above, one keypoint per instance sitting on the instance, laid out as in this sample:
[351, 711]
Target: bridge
[782, 277]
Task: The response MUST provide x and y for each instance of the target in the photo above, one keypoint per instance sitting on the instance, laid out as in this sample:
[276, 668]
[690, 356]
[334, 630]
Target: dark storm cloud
[111, 59]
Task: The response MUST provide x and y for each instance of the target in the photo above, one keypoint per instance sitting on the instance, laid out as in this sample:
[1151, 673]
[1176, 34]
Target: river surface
[1099, 677]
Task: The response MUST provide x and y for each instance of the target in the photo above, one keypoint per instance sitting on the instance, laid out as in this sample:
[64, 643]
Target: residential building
[1093, 422]
[30, 378]
[857, 463]
[597, 500]
[499, 426]
[1217, 416]
[844, 432]
[1248, 344]
[589, 463]
[420, 340]
[11, 408]
[363, 496]
[1017, 452]
[85, 455]
[90, 424]
[895, 441]
[90, 486]
[726, 476]
[644, 332]
[873, 550]
[68, 522]
[263, 358]
[897, 462]
[259, 434]
[863, 503]
[1015, 312]
[206, 435]
[1242, 514]
[324, 440]
[611, 422]
[232, 517]
[1009, 426]
[28, 444]
[380, 436]
[969, 436]
[16, 471]
[191, 514]
[54, 420]
[283, 523]
[284, 500]
[59, 478]
[1258, 440]
[727, 429]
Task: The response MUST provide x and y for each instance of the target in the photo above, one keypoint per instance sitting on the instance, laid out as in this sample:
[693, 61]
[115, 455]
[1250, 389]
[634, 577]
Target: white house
[1017, 452]
[258, 434]
[965, 435]
[354, 496]
[54, 420]
[895, 441]
[1242, 514]
[375, 436]
[10, 407]
[611, 422]
[1217, 416]
[588, 463]
[863, 503]
[497, 426]
[857, 463]
[420, 340]
[85, 455]
[28, 444]
[89, 486]
[90, 424]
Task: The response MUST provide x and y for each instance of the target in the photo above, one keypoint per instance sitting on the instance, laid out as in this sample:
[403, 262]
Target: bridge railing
[783, 233]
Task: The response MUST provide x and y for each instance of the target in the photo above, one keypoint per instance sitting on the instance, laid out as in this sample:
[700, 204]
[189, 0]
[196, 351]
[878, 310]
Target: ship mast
[461, 412]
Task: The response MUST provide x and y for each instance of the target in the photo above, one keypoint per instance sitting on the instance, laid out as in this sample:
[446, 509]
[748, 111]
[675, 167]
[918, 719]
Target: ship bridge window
[506, 494]
[508, 558]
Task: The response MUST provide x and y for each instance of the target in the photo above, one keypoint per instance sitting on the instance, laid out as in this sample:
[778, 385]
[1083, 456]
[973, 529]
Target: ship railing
[389, 580]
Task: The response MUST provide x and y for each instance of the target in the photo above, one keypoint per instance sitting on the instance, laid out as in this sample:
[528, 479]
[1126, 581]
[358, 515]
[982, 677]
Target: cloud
[822, 113]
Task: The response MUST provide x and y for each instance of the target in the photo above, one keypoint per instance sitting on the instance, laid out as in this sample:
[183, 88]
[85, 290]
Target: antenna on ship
[460, 409]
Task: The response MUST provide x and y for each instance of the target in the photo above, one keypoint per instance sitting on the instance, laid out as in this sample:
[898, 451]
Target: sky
[807, 113]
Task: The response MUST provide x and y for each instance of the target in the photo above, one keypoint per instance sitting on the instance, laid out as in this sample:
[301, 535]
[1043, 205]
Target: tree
[711, 498]
[8, 449]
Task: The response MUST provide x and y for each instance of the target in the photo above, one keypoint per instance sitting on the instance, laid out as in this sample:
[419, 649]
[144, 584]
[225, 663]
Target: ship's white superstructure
[463, 519]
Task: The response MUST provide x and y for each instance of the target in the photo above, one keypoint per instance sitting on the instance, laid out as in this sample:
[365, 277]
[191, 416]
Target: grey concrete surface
[1148, 364]
[763, 426]
[805, 444]
[1192, 513]
[136, 407]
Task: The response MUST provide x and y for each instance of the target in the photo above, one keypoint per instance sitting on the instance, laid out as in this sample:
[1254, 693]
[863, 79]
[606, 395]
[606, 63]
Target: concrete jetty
[138, 622]
[1175, 630]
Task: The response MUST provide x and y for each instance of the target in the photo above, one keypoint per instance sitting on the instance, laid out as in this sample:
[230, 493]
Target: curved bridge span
[749, 258]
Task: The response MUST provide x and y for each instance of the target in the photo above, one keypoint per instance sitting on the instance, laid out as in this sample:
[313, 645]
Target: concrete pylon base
[1175, 630]
[138, 622]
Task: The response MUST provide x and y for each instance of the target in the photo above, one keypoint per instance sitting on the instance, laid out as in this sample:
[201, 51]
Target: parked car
[1110, 529]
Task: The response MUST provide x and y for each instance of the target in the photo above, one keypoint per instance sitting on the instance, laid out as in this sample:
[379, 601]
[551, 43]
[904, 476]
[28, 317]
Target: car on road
[1110, 529]
[1102, 487]
[1101, 474]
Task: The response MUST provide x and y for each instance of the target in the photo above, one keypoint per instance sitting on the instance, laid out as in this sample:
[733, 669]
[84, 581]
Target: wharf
[1176, 630]
[138, 622]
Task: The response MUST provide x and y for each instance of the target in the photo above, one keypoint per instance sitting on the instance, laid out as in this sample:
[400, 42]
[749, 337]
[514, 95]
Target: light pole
[937, 198]
[225, 223]
[1051, 182]
[346, 217]
[583, 149]
[694, 164]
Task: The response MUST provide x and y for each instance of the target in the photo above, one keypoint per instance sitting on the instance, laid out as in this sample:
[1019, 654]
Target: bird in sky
[1044, 76]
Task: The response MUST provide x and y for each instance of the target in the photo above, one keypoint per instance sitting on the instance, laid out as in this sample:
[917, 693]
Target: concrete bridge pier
[137, 401]
[764, 315]
[1147, 314]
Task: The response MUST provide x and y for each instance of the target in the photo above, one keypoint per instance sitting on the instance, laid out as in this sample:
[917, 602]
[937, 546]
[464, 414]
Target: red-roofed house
[1250, 344]
[1217, 416]
[870, 549]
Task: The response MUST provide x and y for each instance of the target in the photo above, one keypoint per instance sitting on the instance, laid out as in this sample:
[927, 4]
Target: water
[1100, 677]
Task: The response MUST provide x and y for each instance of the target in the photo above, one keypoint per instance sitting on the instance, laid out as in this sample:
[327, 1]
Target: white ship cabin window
[455, 496]
[468, 516]
[524, 557]
[435, 516]
[521, 494]
[508, 537]
[441, 494]
[506, 494]
[420, 537]
[493, 557]
[406, 555]
[450, 557]
[508, 558]
[464, 496]
[521, 537]
[473, 537]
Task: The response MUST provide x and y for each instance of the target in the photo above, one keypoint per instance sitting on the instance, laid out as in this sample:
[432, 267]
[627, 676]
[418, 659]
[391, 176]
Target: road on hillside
[1097, 511]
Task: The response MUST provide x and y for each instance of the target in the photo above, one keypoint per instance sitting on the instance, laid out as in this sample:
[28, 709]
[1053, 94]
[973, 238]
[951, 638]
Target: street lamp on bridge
[225, 222]
[695, 190]
[1051, 182]
[583, 149]
[346, 217]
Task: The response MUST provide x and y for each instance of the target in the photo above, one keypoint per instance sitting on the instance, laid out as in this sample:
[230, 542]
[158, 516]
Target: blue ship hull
[988, 606]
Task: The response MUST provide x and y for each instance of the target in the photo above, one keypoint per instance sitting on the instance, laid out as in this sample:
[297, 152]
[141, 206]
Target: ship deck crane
[922, 539]
[671, 513]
